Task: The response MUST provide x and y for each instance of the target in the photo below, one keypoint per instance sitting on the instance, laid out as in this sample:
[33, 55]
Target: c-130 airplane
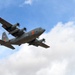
[21, 37]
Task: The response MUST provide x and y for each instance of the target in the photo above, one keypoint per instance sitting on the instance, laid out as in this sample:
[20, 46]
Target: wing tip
[47, 46]
[13, 48]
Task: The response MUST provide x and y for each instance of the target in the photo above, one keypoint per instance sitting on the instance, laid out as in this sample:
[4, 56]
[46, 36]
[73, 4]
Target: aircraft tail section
[5, 41]
[4, 37]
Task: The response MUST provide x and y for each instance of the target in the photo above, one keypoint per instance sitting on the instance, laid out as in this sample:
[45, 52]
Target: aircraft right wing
[7, 44]
[38, 43]
[12, 29]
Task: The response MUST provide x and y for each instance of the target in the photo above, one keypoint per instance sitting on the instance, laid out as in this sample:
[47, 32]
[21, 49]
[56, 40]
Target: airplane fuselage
[27, 37]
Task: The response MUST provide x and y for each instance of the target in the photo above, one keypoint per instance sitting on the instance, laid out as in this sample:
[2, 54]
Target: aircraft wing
[38, 43]
[43, 45]
[7, 44]
[12, 29]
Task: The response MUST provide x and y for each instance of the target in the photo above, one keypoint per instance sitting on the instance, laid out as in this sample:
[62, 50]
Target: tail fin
[4, 37]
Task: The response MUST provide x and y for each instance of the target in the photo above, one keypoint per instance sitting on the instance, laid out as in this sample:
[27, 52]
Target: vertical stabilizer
[4, 37]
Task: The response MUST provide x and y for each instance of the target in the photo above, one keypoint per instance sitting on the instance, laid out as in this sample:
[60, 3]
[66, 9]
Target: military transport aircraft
[21, 37]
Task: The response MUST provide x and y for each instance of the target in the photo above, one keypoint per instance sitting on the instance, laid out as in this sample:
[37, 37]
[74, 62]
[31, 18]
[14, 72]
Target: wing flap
[7, 44]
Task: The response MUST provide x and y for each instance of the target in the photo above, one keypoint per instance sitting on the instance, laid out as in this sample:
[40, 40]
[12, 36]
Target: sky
[58, 18]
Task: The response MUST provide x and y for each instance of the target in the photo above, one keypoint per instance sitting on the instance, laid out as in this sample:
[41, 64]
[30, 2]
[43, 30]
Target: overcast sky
[58, 18]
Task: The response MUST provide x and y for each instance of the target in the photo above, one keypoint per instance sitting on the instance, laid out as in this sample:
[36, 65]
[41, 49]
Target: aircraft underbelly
[26, 39]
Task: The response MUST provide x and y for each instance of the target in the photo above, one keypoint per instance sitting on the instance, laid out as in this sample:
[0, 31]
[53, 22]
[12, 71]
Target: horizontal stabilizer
[7, 44]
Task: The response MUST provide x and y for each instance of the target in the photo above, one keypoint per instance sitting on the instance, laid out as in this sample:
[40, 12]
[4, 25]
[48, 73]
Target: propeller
[25, 29]
[43, 40]
[18, 24]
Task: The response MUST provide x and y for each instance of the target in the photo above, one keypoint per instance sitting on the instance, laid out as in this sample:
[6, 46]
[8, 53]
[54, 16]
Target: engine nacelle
[23, 29]
[14, 26]
[42, 40]
[14, 31]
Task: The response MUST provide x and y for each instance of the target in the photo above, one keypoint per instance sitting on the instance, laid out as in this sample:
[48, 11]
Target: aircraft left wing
[7, 44]
[38, 43]
[12, 29]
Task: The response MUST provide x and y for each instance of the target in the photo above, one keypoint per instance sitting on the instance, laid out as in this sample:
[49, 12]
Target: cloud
[57, 68]
[28, 2]
[57, 60]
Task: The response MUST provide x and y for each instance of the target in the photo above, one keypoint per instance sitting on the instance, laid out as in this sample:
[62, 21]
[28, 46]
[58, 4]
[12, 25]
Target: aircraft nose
[43, 30]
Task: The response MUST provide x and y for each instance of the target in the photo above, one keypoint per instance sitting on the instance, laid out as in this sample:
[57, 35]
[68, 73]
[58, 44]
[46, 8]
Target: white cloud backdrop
[57, 60]
[28, 2]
